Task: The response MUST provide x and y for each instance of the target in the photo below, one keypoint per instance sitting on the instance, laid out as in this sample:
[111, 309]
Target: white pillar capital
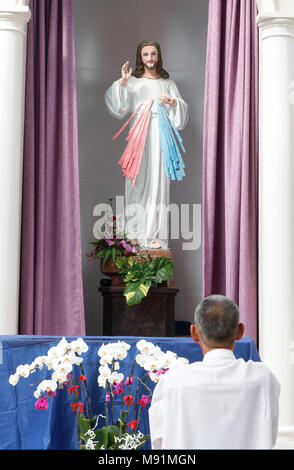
[14, 18]
[275, 24]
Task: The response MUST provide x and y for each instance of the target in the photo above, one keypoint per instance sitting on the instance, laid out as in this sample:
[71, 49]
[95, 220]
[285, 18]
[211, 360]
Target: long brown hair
[139, 70]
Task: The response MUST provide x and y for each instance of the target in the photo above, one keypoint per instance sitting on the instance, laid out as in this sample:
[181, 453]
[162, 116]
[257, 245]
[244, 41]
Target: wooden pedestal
[154, 316]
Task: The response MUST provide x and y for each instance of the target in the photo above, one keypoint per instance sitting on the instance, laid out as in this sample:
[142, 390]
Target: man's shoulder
[254, 371]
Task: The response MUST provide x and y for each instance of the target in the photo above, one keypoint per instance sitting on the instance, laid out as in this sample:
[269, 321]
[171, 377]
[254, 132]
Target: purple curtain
[51, 291]
[230, 157]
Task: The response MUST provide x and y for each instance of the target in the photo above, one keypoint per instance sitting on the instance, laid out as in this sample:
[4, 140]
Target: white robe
[151, 191]
[218, 403]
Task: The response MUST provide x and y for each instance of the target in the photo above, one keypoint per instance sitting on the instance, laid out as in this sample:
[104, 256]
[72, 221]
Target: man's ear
[194, 332]
[240, 331]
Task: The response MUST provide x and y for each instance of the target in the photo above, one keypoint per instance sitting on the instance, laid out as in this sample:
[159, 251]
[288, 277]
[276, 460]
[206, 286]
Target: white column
[276, 206]
[14, 15]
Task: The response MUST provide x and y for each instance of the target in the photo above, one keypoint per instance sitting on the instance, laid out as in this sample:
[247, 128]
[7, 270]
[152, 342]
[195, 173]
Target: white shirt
[218, 403]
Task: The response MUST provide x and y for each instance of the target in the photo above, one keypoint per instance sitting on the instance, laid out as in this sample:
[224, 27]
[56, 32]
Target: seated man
[220, 402]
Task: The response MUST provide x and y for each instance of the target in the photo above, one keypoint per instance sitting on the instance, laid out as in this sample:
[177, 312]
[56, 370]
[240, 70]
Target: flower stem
[140, 408]
[87, 391]
[130, 385]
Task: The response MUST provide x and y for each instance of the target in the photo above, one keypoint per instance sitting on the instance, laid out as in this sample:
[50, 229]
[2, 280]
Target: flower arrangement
[138, 272]
[131, 392]
[111, 242]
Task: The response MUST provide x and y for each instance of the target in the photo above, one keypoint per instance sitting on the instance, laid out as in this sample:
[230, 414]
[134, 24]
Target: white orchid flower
[71, 358]
[115, 378]
[23, 370]
[47, 386]
[140, 359]
[123, 345]
[59, 377]
[13, 379]
[55, 352]
[116, 365]
[107, 359]
[105, 374]
[64, 368]
[63, 345]
[120, 355]
[103, 350]
[154, 377]
[39, 362]
[78, 346]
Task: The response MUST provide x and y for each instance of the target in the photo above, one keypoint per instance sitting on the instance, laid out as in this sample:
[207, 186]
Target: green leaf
[85, 425]
[107, 436]
[136, 291]
[106, 256]
[164, 269]
[113, 253]
[123, 265]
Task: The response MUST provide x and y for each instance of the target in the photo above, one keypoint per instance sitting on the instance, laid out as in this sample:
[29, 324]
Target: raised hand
[125, 73]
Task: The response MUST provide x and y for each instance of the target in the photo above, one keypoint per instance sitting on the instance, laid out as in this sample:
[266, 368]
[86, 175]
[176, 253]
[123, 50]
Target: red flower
[128, 399]
[72, 388]
[83, 377]
[80, 405]
[133, 423]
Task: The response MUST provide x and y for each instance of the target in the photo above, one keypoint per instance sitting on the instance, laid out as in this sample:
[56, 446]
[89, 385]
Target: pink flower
[119, 388]
[161, 371]
[110, 242]
[107, 397]
[41, 404]
[129, 381]
[144, 400]
[51, 394]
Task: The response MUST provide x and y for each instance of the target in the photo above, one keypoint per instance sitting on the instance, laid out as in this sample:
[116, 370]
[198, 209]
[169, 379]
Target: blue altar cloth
[24, 427]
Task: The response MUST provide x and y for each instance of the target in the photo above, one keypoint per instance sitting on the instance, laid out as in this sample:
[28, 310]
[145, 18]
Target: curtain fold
[51, 290]
[230, 157]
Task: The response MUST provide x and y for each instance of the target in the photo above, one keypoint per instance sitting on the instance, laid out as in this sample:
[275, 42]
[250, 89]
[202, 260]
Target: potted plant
[140, 274]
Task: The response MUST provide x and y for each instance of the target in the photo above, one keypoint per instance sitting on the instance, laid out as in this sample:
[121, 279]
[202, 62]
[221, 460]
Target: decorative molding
[276, 6]
[15, 20]
[274, 25]
[11, 4]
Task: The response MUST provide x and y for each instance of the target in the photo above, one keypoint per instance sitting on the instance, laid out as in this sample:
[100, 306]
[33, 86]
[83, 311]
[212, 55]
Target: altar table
[24, 427]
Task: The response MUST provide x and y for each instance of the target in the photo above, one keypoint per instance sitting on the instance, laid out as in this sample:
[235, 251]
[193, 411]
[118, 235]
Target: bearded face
[149, 56]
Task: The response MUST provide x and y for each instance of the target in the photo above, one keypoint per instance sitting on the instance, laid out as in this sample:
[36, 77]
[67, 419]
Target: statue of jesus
[150, 194]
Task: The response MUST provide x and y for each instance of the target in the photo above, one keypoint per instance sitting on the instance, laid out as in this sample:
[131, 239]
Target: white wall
[107, 34]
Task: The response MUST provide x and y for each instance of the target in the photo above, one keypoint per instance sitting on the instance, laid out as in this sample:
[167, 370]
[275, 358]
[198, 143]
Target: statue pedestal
[154, 316]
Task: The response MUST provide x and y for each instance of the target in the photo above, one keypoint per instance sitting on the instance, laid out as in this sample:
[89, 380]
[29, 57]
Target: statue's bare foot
[155, 244]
